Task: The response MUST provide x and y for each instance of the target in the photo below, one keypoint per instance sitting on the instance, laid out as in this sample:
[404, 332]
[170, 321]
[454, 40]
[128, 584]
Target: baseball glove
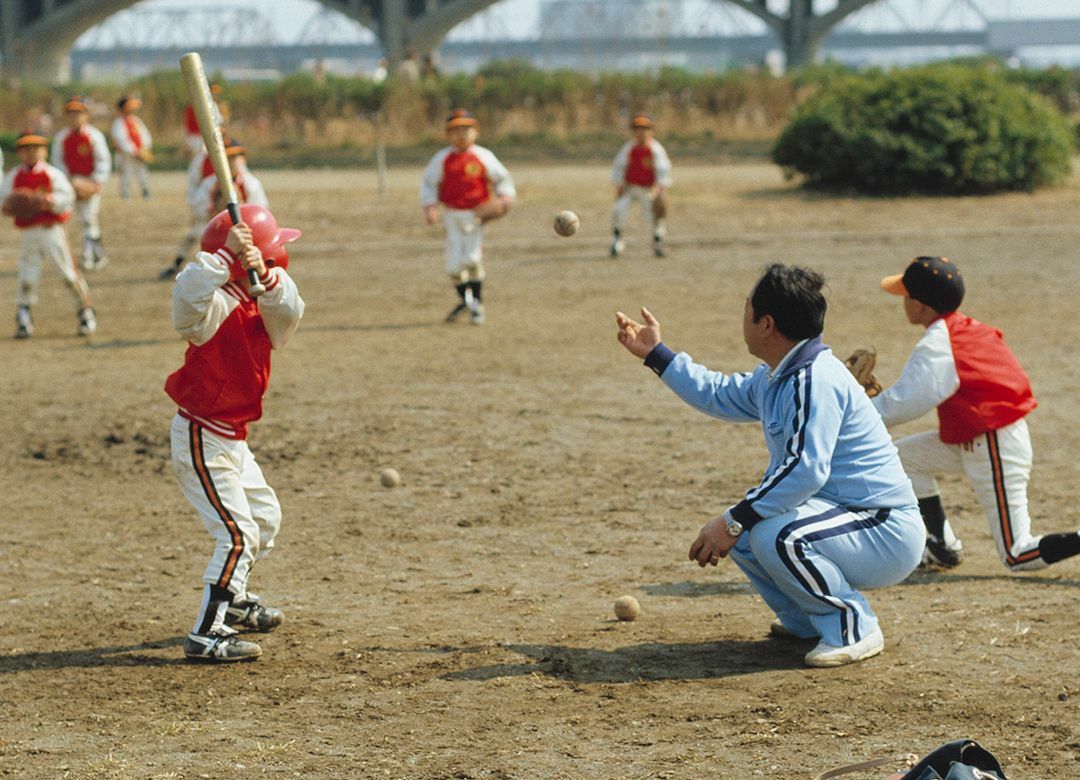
[24, 204]
[145, 155]
[659, 206]
[85, 187]
[861, 364]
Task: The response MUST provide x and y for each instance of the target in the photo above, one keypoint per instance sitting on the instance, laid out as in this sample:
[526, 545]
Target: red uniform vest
[464, 182]
[207, 167]
[36, 178]
[994, 390]
[78, 153]
[133, 132]
[639, 169]
[191, 122]
[224, 380]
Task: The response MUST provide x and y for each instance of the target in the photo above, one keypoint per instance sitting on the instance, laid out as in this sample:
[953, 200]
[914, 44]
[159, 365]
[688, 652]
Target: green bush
[937, 129]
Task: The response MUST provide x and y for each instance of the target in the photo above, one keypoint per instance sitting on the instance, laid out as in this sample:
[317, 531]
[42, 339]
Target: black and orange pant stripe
[235, 535]
[1001, 499]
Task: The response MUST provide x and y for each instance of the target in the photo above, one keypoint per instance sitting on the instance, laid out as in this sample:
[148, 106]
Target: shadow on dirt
[940, 576]
[691, 590]
[645, 662]
[125, 655]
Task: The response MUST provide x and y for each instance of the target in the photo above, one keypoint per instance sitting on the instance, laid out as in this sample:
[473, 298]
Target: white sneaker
[828, 655]
[478, 314]
[87, 322]
[618, 246]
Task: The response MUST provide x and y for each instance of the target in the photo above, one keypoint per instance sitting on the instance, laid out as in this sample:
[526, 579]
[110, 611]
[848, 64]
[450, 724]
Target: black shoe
[658, 249]
[456, 312]
[252, 614]
[24, 325]
[170, 273]
[222, 647]
[939, 554]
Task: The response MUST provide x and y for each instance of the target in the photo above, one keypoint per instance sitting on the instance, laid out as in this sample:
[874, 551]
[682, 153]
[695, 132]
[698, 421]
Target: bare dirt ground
[460, 625]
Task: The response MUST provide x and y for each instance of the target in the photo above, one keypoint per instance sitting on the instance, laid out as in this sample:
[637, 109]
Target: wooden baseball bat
[202, 102]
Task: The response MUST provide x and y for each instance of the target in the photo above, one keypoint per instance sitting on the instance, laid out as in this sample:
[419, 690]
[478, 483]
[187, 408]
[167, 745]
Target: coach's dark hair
[793, 297]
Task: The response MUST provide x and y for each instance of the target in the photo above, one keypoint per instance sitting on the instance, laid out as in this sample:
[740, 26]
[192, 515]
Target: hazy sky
[518, 18]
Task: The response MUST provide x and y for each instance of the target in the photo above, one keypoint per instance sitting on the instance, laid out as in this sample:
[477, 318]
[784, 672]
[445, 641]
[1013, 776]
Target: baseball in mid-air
[566, 223]
[627, 608]
[389, 478]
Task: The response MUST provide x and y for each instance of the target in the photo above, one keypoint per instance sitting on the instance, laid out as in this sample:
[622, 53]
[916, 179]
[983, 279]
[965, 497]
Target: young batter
[641, 173]
[219, 390]
[81, 152]
[41, 225]
[963, 368]
[473, 188]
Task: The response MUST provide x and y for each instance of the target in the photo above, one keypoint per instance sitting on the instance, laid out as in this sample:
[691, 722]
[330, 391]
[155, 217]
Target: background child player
[964, 369]
[39, 197]
[473, 188]
[81, 153]
[219, 390]
[641, 173]
[133, 143]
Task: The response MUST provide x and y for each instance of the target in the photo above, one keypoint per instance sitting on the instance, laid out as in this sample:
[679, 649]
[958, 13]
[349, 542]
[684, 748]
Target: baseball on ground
[566, 223]
[390, 478]
[627, 608]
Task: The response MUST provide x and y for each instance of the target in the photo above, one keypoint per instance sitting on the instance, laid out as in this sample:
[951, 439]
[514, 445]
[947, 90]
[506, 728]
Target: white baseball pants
[221, 479]
[464, 245]
[132, 169]
[998, 466]
[89, 211]
[47, 243]
[634, 194]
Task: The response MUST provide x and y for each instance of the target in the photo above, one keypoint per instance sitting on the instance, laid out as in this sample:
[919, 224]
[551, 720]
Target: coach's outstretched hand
[637, 338]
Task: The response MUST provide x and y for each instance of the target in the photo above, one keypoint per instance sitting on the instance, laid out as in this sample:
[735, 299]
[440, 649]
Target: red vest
[994, 390]
[224, 380]
[78, 153]
[464, 182]
[132, 128]
[191, 122]
[639, 169]
[36, 178]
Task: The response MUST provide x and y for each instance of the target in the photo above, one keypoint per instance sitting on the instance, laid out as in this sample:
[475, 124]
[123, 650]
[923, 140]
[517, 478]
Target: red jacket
[640, 169]
[37, 178]
[464, 181]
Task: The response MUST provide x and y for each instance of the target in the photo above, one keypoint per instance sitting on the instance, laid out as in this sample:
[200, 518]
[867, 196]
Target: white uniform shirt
[100, 147]
[661, 163]
[202, 199]
[929, 379]
[121, 139]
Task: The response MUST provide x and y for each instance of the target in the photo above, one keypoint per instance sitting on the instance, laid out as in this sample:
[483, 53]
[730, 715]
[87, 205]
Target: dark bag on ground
[964, 759]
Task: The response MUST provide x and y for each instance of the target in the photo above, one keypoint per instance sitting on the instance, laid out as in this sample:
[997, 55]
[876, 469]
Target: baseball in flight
[566, 223]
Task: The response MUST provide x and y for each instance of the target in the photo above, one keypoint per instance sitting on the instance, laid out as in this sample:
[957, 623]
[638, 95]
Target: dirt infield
[460, 625]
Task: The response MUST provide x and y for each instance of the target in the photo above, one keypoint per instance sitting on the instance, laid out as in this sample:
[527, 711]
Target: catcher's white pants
[998, 466]
[89, 211]
[635, 194]
[132, 168]
[221, 479]
[42, 244]
[193, 237]
[464, 245]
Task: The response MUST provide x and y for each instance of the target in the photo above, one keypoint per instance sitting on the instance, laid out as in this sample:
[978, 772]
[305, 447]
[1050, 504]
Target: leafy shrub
[936, 129]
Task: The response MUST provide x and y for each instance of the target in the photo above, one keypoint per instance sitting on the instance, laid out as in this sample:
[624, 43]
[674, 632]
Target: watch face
[734, 527]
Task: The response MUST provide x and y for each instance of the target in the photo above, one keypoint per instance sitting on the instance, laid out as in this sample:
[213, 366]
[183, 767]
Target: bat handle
[255, 287]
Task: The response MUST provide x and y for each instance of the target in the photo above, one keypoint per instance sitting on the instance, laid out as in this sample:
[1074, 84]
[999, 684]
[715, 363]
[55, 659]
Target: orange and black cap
[935, 281]
[76, 103]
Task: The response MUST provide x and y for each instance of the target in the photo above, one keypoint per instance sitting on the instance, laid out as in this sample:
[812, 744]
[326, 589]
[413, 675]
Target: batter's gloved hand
[861, 364]
[24, 204]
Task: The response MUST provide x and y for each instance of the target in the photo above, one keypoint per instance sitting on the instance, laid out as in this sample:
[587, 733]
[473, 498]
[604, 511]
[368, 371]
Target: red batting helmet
[268, 237]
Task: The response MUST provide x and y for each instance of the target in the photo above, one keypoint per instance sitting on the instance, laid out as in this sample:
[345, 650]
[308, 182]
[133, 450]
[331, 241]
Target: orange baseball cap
[31, 138]
[935, 281]
[129, 102]
[642, 120]
[460, 118]
[76, 103]
[234, 148]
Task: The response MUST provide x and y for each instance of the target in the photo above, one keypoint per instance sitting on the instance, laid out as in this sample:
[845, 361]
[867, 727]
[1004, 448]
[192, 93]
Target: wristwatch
[734, 527]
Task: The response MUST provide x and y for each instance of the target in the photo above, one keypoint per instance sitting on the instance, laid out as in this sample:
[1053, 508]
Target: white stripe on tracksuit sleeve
[929, 378]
